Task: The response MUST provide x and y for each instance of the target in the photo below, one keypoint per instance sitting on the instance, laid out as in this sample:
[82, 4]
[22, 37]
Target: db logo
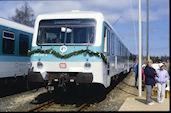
[63, 49]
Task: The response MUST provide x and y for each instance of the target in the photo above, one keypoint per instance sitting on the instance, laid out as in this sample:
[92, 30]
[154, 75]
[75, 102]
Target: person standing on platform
[161, 79]
[143, 77]
[135, 69]
[150, 73]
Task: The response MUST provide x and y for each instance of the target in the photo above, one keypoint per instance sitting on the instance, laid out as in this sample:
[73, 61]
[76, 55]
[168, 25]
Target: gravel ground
[19, 102]
[76, 96]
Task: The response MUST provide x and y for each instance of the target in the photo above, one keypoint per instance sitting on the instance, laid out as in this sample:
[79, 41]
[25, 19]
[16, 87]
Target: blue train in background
[15, 41]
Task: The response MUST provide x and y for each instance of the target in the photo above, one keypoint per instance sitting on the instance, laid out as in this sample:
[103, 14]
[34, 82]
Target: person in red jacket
[143, 77]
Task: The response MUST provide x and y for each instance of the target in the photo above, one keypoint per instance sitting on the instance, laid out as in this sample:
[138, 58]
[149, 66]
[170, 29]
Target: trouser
[149, 93]
[136, 77]
[143, 85]
[161, 90]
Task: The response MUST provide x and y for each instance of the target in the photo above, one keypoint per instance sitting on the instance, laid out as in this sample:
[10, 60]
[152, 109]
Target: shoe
[158, 101]
[161, 101]
[151, 103]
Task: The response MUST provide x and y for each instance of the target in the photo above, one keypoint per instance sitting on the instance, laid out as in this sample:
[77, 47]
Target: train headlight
[87, 65]
[39, 65]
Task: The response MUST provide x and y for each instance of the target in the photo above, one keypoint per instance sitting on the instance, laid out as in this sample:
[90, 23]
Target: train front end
[68, 48]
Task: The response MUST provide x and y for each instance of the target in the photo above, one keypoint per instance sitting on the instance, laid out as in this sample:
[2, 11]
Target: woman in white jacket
[161, 79]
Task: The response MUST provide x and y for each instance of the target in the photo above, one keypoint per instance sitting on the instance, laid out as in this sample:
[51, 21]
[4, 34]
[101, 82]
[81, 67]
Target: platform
[139, 104]
[136, 103]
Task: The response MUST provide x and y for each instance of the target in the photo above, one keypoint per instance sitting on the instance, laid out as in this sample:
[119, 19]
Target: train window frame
[8, 38]
[119, 47]
[114, 40]
[10, 33]
[105, 39]
[112, 44]
[108, 42]
[27, 36]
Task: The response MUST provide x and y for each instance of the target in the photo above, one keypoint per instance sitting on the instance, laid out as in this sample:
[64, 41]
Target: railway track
[48, 104]
[40, 106]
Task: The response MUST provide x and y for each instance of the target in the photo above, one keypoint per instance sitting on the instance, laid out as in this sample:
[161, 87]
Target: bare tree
[24, 15]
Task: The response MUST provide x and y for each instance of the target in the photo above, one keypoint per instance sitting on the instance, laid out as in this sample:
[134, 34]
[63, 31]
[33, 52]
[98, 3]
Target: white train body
[15, 41]
[96, 35]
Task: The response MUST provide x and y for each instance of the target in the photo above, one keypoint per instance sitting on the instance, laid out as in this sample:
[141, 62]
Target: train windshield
[66, 31]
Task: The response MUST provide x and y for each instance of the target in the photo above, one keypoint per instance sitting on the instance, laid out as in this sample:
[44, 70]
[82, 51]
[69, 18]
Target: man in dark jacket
[149, 81]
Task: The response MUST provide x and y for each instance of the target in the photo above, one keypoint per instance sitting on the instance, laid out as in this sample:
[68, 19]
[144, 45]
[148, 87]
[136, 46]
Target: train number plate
[62, 65]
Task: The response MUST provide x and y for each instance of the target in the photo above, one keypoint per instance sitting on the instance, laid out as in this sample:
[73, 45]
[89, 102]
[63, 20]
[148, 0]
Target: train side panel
[13, 64]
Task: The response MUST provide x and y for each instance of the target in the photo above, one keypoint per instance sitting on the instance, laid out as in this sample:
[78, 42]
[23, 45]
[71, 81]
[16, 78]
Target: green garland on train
[62, 56]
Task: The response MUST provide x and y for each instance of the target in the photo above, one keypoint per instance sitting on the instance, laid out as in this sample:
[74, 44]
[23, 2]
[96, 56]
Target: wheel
[99, 92]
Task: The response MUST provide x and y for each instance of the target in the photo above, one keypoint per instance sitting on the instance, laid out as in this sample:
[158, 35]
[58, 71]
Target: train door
[112, 58]
[23, 49]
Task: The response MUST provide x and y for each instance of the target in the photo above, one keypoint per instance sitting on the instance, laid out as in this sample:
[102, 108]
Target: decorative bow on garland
[51, 51]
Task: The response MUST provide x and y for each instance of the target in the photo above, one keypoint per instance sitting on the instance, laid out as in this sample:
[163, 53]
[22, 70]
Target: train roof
[15, 25]
[75, 14]
[71, 14]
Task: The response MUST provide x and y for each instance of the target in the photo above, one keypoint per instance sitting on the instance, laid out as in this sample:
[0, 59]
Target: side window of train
[116, 47]
[23, 44]
[119, 48]
[111, 39]
[105, 40]
[112, 44]
[108, 42]
[8, 42]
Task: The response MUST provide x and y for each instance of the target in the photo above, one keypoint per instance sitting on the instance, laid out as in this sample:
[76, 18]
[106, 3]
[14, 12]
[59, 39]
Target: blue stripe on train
[14, 59]
[82, 57]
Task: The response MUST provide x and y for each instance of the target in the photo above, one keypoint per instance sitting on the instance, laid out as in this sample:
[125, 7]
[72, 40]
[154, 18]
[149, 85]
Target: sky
[121, 14]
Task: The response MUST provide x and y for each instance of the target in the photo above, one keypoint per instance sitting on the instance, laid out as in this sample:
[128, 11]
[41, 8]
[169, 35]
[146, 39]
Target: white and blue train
[69, 32]
[15, 41]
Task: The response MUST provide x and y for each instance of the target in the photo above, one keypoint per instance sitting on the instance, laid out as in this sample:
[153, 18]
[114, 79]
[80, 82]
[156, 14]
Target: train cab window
[8, 42]
[66, 31]
[23, 44]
